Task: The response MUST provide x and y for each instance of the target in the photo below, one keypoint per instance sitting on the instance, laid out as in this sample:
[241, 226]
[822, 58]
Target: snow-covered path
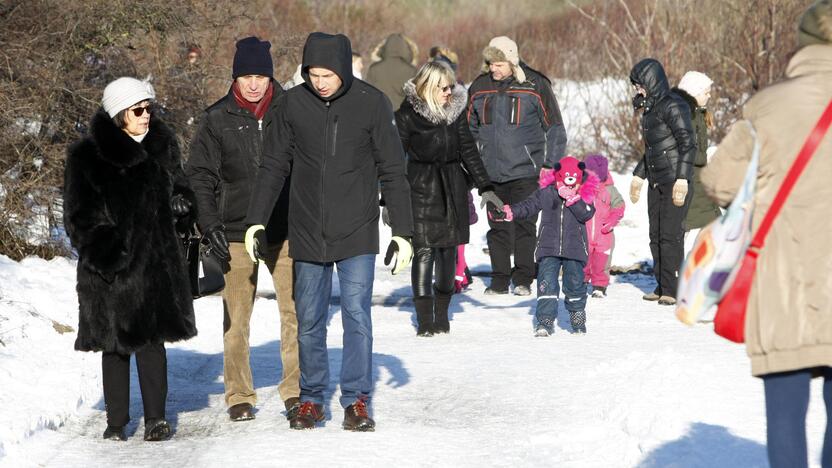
[639, 389]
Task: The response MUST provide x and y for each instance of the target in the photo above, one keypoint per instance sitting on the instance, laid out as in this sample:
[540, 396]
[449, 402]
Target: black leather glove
[219, 243]
[385, 216]
[180, 205]
[638, 101]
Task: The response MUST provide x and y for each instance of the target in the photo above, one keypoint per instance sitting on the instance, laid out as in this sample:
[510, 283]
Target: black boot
[156, 430]
[115, 433]
[440, 312]
[424, 315]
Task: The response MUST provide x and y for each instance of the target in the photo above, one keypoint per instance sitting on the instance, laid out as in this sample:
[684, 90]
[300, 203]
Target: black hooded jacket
[670, 143]
[338, 150]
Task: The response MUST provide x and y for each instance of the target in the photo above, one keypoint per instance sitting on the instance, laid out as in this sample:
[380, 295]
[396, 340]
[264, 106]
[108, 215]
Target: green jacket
[395, 68]
[702, 209]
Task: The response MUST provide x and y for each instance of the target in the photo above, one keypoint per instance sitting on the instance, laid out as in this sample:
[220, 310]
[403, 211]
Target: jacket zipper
[530, 156]
[539, 239]
[323, 171]
[562, 207]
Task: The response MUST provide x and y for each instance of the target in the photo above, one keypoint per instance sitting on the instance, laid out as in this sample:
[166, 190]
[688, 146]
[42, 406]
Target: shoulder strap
[803, 157]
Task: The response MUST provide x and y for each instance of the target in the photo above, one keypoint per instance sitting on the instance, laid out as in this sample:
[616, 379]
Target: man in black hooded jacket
[667, 164]
[336, 136]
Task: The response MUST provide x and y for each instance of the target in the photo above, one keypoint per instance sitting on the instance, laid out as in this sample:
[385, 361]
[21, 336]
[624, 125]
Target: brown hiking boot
[356, 418]
[308, 416]
[651, 297]
[667, 300]
[241, 412]
[292, 407]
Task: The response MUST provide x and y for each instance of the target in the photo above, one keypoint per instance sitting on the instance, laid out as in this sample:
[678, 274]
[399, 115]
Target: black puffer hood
[333, 52]
[649, 73]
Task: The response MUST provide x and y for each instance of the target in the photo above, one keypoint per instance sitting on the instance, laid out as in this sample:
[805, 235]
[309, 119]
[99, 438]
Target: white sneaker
[522, 291]
[541, 332]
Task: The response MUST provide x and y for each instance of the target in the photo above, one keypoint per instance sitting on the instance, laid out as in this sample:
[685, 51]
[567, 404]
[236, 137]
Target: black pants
[152, 366]
[517, 237]
[667, 235]
[425, 259]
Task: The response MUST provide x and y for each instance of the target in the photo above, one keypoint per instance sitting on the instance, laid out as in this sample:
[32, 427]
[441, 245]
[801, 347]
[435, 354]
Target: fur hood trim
[459, 100]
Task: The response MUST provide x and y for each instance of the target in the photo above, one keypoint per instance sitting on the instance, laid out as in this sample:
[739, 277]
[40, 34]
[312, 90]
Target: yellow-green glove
[401, 248]
[255, 241]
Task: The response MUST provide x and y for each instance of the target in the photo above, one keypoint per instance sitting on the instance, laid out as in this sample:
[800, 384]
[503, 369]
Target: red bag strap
[803, 157]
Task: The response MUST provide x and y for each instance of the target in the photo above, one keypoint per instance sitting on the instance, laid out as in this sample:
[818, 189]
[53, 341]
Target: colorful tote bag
[712, 264]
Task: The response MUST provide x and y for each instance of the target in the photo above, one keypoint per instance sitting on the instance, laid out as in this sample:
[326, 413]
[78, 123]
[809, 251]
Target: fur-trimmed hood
[119, 149]
[458, 102]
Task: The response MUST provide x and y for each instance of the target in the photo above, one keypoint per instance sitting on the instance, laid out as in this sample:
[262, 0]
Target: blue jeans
[787, 401]
[548, 288]
[313, 288]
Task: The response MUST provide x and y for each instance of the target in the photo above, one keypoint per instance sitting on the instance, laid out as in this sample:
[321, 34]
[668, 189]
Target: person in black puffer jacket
[435, 135]
[667, 164]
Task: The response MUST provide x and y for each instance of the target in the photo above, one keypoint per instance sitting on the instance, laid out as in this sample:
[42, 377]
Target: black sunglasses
[139, 111]
[448, 88]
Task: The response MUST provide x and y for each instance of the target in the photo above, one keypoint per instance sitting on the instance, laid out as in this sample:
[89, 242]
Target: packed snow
[638, 390]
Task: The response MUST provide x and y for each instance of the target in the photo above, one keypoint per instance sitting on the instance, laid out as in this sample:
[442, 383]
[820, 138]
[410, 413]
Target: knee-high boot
[424, 315]
[441, 303]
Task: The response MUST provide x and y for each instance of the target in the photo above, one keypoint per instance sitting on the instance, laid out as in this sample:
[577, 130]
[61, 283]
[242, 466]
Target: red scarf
[256, 108]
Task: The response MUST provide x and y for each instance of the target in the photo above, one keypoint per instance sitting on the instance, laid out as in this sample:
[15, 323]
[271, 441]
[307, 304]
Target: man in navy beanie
[222, 171]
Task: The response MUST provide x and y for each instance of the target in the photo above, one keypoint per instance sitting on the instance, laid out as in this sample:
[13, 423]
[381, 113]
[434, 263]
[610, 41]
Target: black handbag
[205, 270]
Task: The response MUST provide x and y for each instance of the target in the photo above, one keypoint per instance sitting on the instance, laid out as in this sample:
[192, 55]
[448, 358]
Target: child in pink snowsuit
[609, 209]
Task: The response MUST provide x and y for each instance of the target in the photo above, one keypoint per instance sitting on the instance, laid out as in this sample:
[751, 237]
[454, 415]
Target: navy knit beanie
[253, 58]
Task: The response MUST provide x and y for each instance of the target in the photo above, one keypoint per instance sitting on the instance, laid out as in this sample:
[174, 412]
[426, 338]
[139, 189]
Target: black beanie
[253, 58]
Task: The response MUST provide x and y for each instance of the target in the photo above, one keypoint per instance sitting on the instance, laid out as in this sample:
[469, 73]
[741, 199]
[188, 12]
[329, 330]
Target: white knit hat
[503, 49]
[124, 92]
[695, 83]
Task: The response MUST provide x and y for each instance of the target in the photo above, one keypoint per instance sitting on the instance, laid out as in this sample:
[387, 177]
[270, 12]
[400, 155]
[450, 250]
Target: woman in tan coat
[788, 326]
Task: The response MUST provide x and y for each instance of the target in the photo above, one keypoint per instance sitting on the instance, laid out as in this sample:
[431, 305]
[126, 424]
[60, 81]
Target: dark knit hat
[816, 24]
[253, 58]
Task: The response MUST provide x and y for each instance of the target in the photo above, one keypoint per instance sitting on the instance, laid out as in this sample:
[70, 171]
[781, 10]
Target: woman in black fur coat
[434, 131]
[124, 191]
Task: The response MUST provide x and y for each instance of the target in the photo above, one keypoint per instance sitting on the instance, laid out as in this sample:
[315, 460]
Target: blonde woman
[435, 135]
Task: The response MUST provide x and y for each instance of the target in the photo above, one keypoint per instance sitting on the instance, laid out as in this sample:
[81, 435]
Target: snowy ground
[640, 389]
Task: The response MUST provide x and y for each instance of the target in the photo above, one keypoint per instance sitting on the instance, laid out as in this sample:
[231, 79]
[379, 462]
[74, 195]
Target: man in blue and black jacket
[516, 120]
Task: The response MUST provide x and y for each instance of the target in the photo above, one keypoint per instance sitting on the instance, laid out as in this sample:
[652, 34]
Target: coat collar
[117, 148]
[459, 100]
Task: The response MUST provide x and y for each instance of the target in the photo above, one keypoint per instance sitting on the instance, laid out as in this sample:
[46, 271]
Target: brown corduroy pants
[238, 302]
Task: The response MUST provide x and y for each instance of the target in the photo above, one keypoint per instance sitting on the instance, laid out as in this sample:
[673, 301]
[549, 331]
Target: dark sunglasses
[448, 88]
[139, 111]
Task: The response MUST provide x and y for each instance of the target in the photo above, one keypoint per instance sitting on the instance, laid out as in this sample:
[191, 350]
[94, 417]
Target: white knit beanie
[502, 47]
[124, 92]
[695, 83]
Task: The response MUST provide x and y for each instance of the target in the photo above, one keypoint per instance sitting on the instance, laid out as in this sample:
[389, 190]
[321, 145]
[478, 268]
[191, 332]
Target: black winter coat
[337, 149]
[562, 231]
[436, 148]
[670, 144]
[132, 286]
[225, 156]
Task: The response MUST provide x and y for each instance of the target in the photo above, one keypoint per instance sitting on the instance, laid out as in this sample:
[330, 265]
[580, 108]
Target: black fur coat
[132, 282]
